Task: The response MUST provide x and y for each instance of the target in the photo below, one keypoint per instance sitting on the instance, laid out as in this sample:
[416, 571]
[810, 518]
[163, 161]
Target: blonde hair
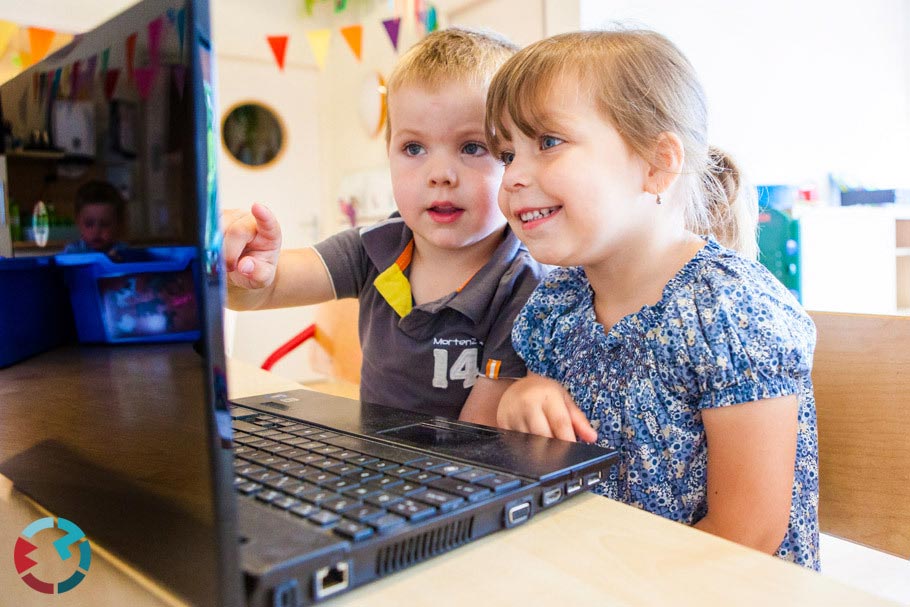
[644, 86]
[453, 54]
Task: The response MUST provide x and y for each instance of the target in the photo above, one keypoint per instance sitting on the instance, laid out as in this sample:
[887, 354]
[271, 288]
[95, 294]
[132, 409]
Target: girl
[688, 357]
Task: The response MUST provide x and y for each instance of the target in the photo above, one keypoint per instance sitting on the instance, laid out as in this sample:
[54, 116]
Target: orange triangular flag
[40, 41]
[7, 29]
[279, 45]
[353, 35]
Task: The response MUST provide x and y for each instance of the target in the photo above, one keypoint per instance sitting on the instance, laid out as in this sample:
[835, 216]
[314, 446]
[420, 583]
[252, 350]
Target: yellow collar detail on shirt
[394, 286]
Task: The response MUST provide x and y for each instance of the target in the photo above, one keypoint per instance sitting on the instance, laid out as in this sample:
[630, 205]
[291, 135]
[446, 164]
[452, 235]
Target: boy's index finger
[266, 223]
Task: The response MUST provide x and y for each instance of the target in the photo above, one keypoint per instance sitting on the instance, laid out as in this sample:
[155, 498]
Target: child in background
[99, 213]
[686, 356]
[441, 281]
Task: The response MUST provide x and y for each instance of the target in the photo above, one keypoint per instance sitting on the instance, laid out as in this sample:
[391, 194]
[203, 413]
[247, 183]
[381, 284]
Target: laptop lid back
[120, 425]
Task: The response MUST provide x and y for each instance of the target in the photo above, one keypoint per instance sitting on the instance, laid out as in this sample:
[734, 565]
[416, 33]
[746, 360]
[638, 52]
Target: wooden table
[590, 550]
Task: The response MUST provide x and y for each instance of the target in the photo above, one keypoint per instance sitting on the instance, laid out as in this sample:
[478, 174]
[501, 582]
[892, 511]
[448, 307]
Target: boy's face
[444, 179]
[97, 224]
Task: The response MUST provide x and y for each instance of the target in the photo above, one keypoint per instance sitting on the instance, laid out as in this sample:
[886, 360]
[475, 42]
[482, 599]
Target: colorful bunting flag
[55, 83]
[145, 80]
[155, 29]
[431, 24]
[279, 46]
[319, 44]
[353, 35]
[89, 75]
[39, 42]
[130, 55]
[7, 29]
[110, 82]
[340, 5]
[105, 57]
[391, 27]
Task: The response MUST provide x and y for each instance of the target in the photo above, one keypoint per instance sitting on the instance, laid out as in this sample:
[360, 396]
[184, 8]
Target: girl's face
[444, 179]
[97, 224]
[575, 192]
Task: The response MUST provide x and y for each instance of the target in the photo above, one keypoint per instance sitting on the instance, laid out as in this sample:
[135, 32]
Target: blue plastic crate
[35, 313]
[149, 297]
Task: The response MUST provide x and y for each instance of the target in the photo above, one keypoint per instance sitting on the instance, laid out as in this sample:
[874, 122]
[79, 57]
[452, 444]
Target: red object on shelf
[288, 346]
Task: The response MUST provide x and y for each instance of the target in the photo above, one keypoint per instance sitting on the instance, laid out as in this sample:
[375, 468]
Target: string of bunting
[77, 80]
[319, 40]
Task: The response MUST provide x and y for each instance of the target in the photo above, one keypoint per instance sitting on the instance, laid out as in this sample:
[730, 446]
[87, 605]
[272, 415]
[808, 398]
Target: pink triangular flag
[391, 28]
[110, 82]
[279, 46]
[145, 79]
[156, 27]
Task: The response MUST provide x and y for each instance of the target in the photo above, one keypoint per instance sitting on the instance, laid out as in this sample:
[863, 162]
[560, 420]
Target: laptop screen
[112, 376]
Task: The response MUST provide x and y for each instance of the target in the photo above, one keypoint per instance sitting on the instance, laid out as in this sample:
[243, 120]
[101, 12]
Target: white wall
[796, 89]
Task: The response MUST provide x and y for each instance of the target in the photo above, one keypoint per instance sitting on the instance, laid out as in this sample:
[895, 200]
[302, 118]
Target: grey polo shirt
[429, 359]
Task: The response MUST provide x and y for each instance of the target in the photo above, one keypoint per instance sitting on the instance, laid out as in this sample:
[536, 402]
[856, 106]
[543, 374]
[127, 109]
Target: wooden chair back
[861, 375]
[338, 355]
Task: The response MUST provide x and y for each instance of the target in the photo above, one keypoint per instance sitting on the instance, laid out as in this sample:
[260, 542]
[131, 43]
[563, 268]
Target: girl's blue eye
[548, 141]
[507, 157]
[473, 149]
[413, 149]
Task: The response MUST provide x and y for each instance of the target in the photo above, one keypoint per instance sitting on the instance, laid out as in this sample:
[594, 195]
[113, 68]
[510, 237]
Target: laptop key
[268, 496]
[363, 513]
[318, 496]
[323, 518]
[382, 500]
[286, 503]
[442, 500]
[319, 477]
[474, 474]
[424, 477]
[402, 471]
[304, 510]
[450, 469]
[355, 532]
[340, 505]
[470, 492]
[361, 460]
[408, 489]
[500, 482]
[387, 522]
[425, 463]
[362, 491]
[413, 510]
[386, 452]
[249, 488]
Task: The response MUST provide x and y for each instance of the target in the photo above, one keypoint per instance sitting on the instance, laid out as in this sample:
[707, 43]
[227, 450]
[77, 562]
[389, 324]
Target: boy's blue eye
[548, 141]
[473, 149]
[507, 157]
[413, 149]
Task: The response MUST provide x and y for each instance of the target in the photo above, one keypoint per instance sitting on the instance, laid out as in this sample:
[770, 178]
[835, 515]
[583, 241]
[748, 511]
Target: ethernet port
[330, 580]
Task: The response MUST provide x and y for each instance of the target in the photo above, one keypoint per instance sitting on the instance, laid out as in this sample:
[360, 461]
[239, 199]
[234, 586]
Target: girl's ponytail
[731, 206]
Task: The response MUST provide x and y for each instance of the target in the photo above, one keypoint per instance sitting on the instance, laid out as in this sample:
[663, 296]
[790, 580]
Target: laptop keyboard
[354, 487]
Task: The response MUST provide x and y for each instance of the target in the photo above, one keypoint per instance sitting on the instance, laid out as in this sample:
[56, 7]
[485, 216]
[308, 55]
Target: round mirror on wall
[253, 134]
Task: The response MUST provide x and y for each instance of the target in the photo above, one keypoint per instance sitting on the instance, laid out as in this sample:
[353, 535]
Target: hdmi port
[551, 496]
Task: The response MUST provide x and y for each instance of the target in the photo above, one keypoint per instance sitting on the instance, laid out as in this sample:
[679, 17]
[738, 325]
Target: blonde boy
[441, 281]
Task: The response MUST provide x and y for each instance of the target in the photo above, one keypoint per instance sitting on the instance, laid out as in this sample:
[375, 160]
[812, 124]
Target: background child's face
[575, 193]
[97, 224]
[444, 179]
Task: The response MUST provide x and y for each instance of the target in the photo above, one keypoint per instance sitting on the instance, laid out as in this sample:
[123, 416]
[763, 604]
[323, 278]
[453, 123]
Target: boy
[441, 281]
[99, 211]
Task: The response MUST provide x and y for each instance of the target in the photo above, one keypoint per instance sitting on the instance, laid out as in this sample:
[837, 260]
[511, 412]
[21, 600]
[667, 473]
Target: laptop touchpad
[439, 433]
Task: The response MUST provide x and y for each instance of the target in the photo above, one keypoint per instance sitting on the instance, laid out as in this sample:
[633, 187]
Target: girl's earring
[659, 201]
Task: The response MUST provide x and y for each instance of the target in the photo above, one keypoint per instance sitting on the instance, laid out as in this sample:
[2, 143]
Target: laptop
[280, 499]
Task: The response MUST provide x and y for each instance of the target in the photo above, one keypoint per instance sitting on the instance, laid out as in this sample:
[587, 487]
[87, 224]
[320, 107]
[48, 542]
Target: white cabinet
[856, 259]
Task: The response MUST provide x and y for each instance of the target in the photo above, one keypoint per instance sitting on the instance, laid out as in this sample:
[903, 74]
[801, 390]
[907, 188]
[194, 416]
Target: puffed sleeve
[740, 337]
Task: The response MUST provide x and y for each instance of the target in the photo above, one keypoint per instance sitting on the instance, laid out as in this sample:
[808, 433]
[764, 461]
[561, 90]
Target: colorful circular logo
[73, 537]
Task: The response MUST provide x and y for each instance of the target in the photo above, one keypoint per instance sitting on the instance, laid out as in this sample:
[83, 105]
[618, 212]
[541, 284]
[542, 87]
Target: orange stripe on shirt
[493, 366]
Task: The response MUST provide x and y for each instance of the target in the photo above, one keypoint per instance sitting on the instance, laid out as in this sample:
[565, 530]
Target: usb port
[551, 496]
[592, 479]
[574, 485]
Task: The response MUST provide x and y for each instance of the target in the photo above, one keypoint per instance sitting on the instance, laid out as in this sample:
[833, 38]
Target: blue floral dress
[725, 331]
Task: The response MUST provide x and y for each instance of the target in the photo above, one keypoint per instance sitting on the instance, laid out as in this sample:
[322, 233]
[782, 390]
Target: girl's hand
[252, 242]
[540, 405]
